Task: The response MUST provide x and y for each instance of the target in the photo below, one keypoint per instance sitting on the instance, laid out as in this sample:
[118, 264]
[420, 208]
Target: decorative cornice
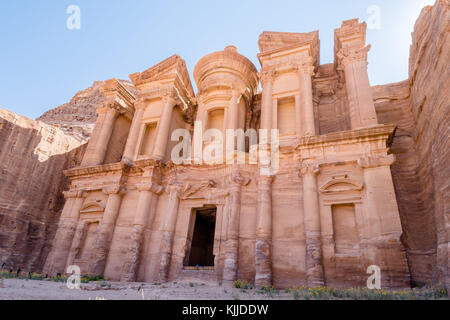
[73, 194]
[379, 131]
[370, 161]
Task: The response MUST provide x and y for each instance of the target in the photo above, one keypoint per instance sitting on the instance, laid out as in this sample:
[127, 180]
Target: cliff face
[430, 89]
[77, 117]
[420, 107]
[33, 156]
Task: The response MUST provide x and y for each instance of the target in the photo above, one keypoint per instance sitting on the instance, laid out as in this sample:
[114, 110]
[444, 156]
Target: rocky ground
[15, 289]
[24, 289]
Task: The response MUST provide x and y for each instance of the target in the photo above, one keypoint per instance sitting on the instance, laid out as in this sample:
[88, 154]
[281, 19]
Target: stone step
[207, 275]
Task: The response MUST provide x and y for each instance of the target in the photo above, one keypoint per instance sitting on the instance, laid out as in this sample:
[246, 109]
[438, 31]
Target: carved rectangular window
[344, 226]
[216, 119]
[286, 116]
[148, 141]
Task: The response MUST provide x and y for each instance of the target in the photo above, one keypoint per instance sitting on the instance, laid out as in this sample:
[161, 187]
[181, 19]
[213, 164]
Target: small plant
[238, 284]
[191, 284]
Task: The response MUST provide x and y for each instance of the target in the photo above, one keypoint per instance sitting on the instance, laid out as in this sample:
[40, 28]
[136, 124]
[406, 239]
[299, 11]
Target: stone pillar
[147, 192]
[234, 110]
[383, 221]
[76, 244]
[298, 116]
[106, 230]
[131, 147]
[168, 231]
[360, 96]
[57, 261]
[230, 271]
[267, 78]
[311, 211]
[162, 137]
[98, 145]
[305, 72]
[263, 247]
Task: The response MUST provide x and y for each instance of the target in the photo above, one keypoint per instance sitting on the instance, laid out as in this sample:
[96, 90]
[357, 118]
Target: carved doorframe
[185, 226]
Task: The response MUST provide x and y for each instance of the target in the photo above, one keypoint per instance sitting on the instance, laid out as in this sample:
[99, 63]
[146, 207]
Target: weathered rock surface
[420, 109]
[33, 156]
[77, 117]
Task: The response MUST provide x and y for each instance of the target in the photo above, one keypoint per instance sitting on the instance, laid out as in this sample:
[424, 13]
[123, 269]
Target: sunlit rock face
[33, 156]
[419, 107]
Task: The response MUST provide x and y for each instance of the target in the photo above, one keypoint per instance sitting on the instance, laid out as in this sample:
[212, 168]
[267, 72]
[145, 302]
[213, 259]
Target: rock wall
[77, 117]
[33, 156]
[420, 108]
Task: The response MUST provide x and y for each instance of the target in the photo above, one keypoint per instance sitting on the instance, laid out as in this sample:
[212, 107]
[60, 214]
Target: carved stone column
[57, 261]
[234, 110]
[76, 243]
[98, 145]
[267, 78]
[311, 211]
[360, 96]
[305, 72]
[168, 231]
[263, 247]
[230, 271]
[147, 191]
[298, 116]
[106, 230]
[383, 221]
[131, 147]
[162, 137]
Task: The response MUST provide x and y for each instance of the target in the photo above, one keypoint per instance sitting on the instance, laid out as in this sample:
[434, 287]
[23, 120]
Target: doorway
[202, 248]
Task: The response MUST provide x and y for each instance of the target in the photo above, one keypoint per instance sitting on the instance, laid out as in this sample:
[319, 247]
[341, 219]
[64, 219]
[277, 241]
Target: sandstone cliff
[77, 117]
[33, 156]
[420, 108]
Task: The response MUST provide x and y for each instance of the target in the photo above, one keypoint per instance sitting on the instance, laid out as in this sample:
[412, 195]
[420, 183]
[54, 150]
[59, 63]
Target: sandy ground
[14, 289]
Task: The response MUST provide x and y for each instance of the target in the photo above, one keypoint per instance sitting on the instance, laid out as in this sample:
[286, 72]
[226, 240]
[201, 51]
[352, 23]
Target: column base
[263, 263]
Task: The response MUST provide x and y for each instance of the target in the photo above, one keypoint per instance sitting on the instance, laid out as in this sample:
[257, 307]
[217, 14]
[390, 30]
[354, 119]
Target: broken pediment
[93, 206]
[341, 185]
[170, 72]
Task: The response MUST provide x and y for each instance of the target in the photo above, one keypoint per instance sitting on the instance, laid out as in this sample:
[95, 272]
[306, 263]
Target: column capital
[150, 187]
[306, 66]
[268, 179]
[118, 189]
[374, 161]
[309, 167]
[347, 56]
[238, 179]
[73, 194]
[236, 94]
[170, 98]
[140, 104]
[177, 188]
[267, 76]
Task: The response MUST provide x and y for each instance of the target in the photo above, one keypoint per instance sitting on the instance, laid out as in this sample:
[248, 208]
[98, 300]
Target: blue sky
[43, 63]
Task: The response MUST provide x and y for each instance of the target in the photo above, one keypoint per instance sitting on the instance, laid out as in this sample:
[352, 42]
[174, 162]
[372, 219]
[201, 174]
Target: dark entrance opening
[202, 249]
